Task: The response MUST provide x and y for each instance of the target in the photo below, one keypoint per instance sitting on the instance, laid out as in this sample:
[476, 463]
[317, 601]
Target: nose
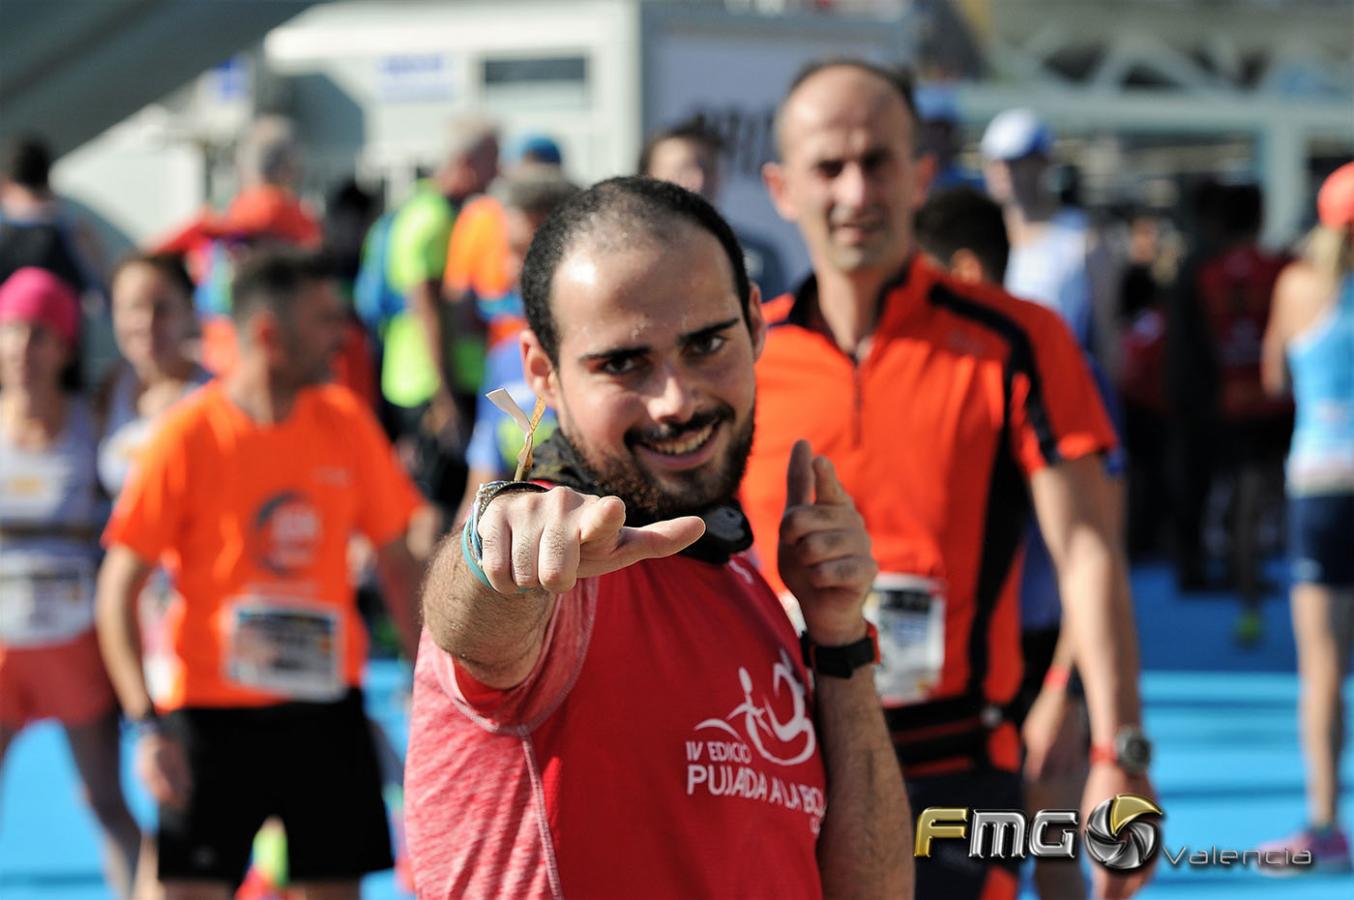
[671, 398]
[852, 187]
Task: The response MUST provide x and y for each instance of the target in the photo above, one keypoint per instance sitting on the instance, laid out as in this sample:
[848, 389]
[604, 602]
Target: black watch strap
[841, 662]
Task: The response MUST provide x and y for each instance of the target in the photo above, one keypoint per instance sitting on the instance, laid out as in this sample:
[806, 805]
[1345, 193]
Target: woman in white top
[51, 511]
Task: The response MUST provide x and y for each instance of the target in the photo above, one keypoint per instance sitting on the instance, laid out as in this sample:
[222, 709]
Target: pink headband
[36, 295]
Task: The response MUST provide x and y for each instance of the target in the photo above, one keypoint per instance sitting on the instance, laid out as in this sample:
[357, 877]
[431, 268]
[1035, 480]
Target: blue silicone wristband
[470, 557]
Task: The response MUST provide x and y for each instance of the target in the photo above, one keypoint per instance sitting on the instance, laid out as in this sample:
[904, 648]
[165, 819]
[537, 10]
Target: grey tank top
[51, 510]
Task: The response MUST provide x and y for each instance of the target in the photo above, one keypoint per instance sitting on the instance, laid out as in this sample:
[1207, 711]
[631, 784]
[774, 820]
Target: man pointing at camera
[609, 701]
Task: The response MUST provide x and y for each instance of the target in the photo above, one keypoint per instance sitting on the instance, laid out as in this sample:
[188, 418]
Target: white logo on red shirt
[759, 721]
[728, 767]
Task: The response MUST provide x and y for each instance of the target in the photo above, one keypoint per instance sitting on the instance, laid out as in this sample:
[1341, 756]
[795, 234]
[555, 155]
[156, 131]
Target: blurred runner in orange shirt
[248, 496]
[946, 408]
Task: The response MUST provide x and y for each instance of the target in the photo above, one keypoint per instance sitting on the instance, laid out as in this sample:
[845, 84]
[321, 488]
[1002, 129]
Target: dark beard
[645, 500]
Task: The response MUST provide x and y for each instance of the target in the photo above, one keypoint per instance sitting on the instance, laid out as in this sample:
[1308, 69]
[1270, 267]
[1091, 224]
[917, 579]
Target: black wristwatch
[1131, 751]
[841, 662]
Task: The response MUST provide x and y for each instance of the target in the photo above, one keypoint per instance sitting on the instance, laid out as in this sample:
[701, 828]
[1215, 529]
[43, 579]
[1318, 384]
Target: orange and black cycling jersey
[963, 393]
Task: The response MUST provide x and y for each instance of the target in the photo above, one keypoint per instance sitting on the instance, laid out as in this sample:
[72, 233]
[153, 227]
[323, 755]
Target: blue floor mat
[1229, 768]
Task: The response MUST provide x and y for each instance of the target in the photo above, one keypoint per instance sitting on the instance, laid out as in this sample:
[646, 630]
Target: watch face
[1135, 752]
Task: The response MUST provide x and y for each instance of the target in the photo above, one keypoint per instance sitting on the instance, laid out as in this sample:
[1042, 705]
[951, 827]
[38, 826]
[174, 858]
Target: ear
[263, 331]
[756, 322]
[924, 172]
[539, 370]
[965, 267]
[773, 176]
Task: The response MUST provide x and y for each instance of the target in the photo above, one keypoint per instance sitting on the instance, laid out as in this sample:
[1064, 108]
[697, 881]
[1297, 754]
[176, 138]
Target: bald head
[846, 175]
[821, 86]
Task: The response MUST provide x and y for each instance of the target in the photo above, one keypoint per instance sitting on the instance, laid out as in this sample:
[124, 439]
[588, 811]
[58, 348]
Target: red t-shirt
[662, 747]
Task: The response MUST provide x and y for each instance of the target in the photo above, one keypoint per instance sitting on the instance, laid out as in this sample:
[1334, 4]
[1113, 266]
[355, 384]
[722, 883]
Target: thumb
[650, 542]
[829, 490]
[659, 539]
[799, 476]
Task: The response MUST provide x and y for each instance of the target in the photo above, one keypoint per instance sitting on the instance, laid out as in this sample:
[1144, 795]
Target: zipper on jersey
[857, 406]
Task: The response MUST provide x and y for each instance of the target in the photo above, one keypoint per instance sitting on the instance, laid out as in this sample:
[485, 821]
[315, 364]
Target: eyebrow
[623, 353]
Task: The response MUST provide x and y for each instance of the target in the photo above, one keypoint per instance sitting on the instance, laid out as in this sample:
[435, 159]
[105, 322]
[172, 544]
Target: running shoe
[1249, 628]
[1328, 848]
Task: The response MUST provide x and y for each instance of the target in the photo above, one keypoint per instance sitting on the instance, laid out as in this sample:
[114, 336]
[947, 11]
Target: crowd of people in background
[350, 350]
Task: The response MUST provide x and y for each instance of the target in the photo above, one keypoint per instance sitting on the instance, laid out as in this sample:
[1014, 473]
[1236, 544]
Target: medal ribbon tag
[503, 400]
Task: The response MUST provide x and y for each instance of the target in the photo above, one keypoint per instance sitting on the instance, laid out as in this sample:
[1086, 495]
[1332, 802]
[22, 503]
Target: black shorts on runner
[949, 872]
[313, 765]
[1318, 539]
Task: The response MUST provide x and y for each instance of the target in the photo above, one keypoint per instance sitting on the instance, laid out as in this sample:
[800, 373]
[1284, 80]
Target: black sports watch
[842, 661]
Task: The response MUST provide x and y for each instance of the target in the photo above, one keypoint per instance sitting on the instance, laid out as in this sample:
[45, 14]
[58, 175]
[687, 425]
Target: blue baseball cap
[538, 147]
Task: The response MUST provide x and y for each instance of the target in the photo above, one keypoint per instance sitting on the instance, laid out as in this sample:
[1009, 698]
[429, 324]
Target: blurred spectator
[1056, 258]
[1224, 422]
[939, 137]
[34, 231]
[527, 196]
[349, 215]
[153, 320]
[963, 231]
[37, 229]
[478, 248]
[50, 514]
[268, 165]
[688, 154]
[1309, 347]
[1142, 385]
[428, 387]
[536, 149]
[266, 210]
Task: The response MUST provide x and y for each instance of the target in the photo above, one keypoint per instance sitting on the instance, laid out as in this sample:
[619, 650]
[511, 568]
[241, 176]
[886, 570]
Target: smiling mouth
[684, 445]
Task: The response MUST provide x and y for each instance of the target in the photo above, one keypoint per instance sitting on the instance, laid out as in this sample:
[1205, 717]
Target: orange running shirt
[252, 524]
[964, 393]
[477, 252]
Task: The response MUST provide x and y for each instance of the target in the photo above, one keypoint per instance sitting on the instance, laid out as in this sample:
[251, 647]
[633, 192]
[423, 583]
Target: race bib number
[45, 602]
[285, 648]
[909, 612]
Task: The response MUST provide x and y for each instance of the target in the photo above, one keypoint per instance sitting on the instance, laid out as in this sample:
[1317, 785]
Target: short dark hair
[962, 218]
[271, 278]
[640, 206]
[693, 128]
[897, 77]
[170, 265]
[28, 162]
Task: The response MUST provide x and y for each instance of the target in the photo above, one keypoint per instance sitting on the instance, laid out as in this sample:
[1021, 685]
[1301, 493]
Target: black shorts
[948, 872]
[1319, 542]
[313, 765]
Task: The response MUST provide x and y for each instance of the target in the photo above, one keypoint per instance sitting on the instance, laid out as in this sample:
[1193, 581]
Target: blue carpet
[1229, 769]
